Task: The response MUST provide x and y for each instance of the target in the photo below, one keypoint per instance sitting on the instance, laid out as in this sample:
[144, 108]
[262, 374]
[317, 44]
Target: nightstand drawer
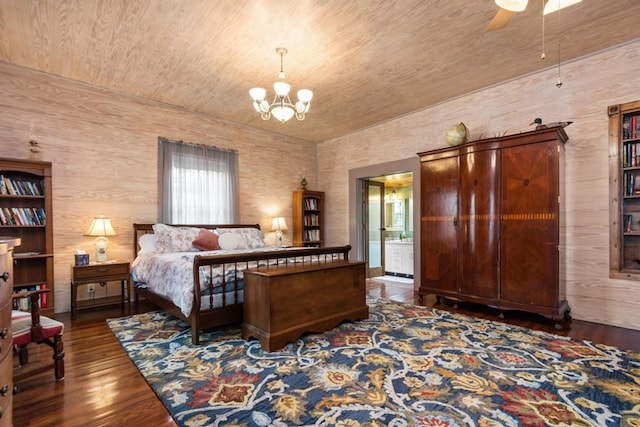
[100, 271]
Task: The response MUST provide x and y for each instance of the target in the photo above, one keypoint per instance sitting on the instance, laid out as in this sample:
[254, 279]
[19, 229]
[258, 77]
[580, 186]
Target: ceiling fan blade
[502, 18]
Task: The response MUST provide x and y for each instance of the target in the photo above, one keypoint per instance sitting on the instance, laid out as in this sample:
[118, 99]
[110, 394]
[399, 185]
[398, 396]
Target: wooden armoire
[491, 214]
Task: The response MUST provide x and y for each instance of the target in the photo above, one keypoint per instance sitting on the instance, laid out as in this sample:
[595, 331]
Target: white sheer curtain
[198, 183]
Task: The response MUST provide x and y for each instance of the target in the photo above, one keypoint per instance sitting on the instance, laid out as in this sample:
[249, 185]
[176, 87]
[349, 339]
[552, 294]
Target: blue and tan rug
[405, 366]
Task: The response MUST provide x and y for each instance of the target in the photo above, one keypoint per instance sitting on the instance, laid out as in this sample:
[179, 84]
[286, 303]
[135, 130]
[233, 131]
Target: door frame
[356, 177]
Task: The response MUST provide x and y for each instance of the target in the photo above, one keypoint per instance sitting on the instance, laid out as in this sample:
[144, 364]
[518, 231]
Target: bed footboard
[223, 297]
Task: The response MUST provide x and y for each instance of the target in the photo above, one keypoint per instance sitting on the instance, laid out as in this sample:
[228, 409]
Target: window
[198, 183]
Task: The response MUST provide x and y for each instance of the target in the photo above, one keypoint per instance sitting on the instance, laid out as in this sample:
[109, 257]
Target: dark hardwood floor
[102, 387]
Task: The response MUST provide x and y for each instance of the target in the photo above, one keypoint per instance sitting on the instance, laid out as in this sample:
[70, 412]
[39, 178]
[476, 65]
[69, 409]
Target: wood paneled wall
[589, 86]
[103, 148]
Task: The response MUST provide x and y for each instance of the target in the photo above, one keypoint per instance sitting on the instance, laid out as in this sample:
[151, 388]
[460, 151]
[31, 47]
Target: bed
[203, 284]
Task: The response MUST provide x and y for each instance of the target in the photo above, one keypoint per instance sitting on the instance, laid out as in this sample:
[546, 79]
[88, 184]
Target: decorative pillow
[206, 240]
[148, 243]
[231, 241]
[175, 239]
[253, 236]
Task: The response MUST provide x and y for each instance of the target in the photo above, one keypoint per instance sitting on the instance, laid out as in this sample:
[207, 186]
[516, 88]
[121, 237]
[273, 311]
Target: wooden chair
[30, 327]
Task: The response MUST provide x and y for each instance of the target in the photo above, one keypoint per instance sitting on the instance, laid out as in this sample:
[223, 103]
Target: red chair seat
[21, 328]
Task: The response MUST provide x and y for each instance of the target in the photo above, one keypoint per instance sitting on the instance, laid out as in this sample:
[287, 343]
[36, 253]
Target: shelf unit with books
[308, 218]
[25, 213]
[624, 172]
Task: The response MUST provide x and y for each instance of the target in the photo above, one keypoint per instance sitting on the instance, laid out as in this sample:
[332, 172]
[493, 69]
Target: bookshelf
[624, 174]
[26, 207]
[308, 218]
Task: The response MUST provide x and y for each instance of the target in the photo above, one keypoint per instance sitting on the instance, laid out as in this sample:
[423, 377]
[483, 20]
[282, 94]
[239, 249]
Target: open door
[373, 224]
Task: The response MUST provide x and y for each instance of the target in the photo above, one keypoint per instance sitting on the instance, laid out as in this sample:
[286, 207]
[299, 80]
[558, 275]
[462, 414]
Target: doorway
[370, 236]
[388, 219]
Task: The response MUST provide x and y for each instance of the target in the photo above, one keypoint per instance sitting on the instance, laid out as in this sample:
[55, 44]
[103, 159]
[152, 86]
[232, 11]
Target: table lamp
[278, 224]
[101, 227]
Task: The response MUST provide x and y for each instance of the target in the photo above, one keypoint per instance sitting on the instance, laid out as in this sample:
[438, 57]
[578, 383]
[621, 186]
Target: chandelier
[281, 108]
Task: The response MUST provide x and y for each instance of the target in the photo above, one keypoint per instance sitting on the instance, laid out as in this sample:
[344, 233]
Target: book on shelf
[311, 219]
[22, 216]
[8, 216]
[20, 187]
[626, 222]
[631, 185]
[24, 304]
[635, 186]
[311, 235]
[311, 203]
[631, 154]
[16, 216]
[630, 127]
[9, 186]
[43, 297]
[16, 187]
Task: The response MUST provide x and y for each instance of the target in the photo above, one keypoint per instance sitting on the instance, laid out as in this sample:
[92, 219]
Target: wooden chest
[283, 302]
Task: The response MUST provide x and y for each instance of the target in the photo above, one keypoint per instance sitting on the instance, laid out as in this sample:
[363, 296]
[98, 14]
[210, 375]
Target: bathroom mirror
[394, 215]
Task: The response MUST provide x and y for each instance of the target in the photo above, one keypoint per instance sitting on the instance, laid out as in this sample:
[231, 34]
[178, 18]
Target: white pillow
[148, 243]
[231, 241]
[253, 236]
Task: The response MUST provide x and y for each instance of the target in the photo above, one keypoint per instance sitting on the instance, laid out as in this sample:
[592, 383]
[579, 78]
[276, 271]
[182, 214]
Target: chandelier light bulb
[281, 107]
[512, 5]
[281, 88]
[258, 93]
[283, 114]
[305, 95]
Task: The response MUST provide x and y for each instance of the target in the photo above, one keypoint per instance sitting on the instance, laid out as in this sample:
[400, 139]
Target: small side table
[109, 271]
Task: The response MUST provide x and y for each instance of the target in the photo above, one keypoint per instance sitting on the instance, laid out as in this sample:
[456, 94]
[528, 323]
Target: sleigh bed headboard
[140, 229]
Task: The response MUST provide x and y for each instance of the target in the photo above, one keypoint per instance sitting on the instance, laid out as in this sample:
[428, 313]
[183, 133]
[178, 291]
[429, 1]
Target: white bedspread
[171, 274]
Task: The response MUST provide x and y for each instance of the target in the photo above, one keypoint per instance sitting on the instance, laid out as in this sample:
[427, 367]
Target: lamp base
[101, 244]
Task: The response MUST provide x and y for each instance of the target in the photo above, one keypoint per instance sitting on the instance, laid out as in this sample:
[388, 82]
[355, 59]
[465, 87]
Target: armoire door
[478, 229]
[530, 224]
[439, 209]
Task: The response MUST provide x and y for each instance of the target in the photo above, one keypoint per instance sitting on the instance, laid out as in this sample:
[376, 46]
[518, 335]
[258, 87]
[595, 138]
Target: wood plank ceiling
[367, 61]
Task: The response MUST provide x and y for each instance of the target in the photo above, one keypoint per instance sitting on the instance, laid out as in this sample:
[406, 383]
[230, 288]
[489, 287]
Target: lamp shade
[100, 226]
[278, 223]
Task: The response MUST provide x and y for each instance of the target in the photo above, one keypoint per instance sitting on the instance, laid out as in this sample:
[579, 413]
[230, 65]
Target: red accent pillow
[206, 240]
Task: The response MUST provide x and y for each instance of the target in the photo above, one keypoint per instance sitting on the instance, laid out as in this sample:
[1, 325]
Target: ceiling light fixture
[281, 108]
[555, 5]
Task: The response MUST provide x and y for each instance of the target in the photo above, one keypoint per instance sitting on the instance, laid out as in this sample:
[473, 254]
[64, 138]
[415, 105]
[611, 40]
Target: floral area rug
[404, 366]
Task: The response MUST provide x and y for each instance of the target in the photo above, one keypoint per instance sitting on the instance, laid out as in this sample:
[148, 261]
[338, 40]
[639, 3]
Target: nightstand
[102, 273]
